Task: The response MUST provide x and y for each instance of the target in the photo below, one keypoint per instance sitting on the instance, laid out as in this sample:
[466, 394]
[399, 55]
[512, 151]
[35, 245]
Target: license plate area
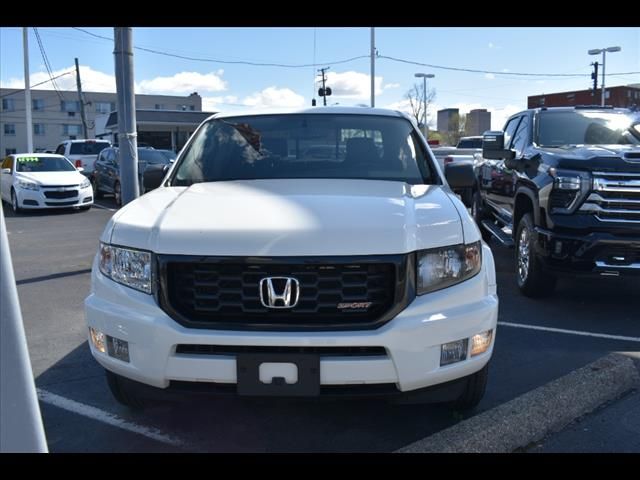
[255, 370]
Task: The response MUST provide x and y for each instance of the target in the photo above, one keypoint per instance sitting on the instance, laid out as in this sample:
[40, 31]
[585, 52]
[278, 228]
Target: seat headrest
[361, 150]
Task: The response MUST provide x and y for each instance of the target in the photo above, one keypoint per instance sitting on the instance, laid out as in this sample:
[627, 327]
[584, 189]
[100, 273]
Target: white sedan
[42, 180]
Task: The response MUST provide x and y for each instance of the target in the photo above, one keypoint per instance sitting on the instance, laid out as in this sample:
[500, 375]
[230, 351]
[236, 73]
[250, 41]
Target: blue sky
[228, 87]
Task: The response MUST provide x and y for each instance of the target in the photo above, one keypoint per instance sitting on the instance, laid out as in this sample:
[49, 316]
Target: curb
[535, 414]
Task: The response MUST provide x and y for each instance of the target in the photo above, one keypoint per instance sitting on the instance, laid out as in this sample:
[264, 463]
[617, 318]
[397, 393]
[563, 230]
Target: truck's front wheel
[122, 390]
[532, 280]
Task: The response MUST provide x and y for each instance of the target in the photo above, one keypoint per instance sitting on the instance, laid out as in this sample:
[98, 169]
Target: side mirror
[493, 146]
[80, 169]
[7, 171]
[461, 178]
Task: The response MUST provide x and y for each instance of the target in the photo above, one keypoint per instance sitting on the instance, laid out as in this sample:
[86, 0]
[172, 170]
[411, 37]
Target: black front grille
[189, 349]
[562, 198]
[61, 195]
[214, 292]
[619, 255]
[60, 204]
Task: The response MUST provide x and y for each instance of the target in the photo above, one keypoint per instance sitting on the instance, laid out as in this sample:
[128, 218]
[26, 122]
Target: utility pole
[324, 92]
[127, 136]
[594, 75]
[373, 67]
[81, 101]
[27, 89]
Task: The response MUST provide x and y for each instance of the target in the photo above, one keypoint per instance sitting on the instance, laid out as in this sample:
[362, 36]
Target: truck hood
[618, 158]
[289, 217]
[52, 178]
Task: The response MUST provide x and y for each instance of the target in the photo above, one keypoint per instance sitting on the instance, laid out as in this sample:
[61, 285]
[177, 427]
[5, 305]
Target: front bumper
[597, 253]
[32, 199]
[412, 340]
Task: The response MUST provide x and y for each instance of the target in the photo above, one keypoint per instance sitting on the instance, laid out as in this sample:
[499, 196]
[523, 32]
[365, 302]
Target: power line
[228, 62]
[37, 84]
[47, 64]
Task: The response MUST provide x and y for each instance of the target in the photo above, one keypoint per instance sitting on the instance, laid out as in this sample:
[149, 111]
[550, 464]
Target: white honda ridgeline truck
[307, 253]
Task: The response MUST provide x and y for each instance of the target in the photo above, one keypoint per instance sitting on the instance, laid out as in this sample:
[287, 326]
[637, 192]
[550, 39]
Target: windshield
[557, 129]
[43, 164]
[305, 146]
[87, 148]
[152, 156]
[470, 143]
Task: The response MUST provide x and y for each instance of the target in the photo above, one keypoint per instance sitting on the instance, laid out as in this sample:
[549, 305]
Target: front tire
[97, 194]
[121, 389]
[15, 207]
[117, 193]
[474, 390]
[532, 280]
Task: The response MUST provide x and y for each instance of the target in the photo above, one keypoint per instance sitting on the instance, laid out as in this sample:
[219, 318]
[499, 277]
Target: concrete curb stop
[535, 414]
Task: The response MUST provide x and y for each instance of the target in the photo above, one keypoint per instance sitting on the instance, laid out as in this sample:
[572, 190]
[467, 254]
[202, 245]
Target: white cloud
[274, 97]
[353, 85]
[183, 83]
[390, 85]
[489, 76]
[92, 80]
[215, 104]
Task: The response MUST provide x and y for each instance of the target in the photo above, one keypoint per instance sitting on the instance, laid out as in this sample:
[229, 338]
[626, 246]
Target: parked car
[563, 186]
[82, 152]
[467, 149]
[254, 271]
[43, 180]
[152, 166]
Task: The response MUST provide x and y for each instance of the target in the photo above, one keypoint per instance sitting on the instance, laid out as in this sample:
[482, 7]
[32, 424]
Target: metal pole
[82, 113]
[21, 429]
[127, 136]
[373, 67]
[27, 89]
[424, 113]
[604, 52]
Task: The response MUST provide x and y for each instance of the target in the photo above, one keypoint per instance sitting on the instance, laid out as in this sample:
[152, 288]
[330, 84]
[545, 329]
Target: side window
[520, 137]
[60, 149]
[509, 130]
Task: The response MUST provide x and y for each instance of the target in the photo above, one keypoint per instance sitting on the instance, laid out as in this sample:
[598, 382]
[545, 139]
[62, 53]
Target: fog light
[481, 342]
[98, 340]
[453, 352]
[118, 348]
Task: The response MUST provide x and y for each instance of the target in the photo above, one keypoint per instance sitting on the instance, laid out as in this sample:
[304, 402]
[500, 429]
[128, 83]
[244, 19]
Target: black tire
[96, 191]
[474, 390]
[532, 280]
[15, 208]
[117, 194]
[479, 213]
[121, 390]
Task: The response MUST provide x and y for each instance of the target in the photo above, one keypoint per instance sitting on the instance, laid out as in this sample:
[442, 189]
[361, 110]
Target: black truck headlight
[127, 266]
[569, 188]
[439, 268]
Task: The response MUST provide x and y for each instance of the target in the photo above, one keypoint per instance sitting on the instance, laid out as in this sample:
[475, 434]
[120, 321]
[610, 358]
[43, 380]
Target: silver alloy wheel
[524, 249]
[117, 194]
[14, 201]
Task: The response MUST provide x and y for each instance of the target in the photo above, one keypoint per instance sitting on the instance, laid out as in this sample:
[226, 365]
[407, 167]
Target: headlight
[28, 185]
[127, 266]
[442, 267]
[85, 183]
[568, 188]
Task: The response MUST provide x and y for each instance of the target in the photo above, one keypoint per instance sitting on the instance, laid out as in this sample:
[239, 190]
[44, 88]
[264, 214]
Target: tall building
[448, 120]
[478, 121]
[620, 96]
[56, 117]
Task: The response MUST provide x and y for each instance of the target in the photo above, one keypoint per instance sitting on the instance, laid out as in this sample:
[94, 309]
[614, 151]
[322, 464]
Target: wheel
[532, 280]
[479, 213]
[14, 202]
[117, 193]
[94, 184]
[474, 390]
[121, 390]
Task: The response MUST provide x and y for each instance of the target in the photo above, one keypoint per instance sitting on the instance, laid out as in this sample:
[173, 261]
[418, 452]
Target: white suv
[262, 271]
[82, 153]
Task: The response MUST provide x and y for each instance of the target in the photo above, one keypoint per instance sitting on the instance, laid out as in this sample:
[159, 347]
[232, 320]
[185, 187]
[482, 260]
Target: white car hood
[52, 178]
[288, 218]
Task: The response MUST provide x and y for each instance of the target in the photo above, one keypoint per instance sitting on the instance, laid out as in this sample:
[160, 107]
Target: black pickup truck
[562, 185]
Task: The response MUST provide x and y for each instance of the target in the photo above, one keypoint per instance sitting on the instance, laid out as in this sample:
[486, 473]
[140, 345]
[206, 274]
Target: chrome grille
[615, 197]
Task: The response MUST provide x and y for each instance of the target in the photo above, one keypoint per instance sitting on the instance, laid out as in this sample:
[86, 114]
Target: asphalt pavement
[52, 254]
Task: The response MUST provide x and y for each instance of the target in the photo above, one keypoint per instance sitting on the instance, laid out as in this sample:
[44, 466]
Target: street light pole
[598, 51]
[424, 77]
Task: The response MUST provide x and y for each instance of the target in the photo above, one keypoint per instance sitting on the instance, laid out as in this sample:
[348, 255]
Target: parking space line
[106, 417]
[571, 332]
[97, 205]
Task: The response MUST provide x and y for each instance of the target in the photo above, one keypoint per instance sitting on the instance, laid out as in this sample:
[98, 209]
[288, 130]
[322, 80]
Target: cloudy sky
[290, 79]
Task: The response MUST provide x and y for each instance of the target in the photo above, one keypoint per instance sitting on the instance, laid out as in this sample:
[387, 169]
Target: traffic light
[324, 92]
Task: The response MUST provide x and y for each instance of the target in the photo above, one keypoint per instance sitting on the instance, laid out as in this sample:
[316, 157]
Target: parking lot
[52, 254]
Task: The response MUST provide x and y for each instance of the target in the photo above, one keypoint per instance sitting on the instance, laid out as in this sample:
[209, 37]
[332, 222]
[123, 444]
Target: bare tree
[415, 96]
